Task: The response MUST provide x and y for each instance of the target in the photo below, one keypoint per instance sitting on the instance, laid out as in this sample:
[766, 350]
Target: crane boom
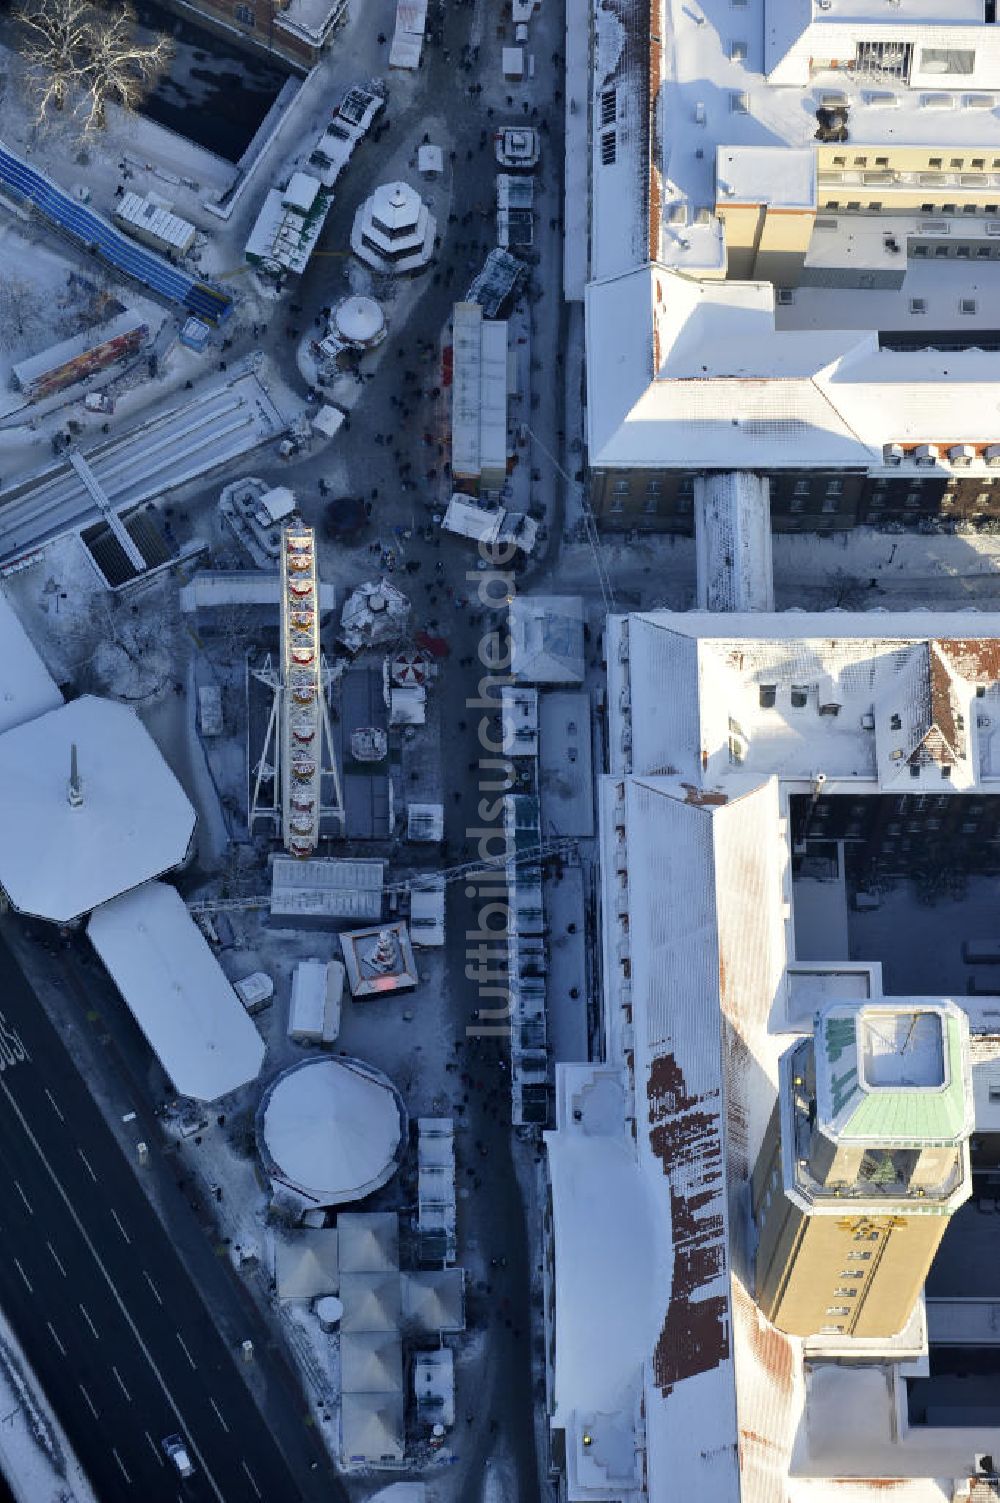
[447, 874]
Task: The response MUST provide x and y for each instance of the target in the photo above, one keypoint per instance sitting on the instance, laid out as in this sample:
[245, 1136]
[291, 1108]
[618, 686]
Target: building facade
[296, 30]
[864, 1159]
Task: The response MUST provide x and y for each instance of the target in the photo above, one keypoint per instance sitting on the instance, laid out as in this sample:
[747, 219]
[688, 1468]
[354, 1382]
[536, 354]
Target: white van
[179, 1455]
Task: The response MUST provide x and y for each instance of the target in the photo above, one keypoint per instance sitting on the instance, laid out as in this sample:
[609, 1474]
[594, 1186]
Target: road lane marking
[218, 1414]
[56, 1259]
[83, 1312]
[121, 1463]
[23, 1196]
[154, 1448]
[24, 1276]
[54, 1104]
[121, 1384]
[253, 1484]
[119, 1225]
[86, 1162]
[90, 1402]
[55, 1338]
[184, 1349]
[116, 1296]
[156, 1292]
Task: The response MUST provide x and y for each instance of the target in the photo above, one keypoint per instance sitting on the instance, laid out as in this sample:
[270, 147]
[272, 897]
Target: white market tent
[331, 1129]
[177, 992]
[371, 1427]
[305, 1263]
[133, 820]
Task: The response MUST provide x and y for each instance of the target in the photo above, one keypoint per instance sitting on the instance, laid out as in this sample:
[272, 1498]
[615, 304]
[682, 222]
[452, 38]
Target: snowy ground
[35, 1456]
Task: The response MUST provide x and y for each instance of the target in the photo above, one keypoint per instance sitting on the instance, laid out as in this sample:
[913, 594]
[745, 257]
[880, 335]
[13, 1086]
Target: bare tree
[82, 56]
[20, 303]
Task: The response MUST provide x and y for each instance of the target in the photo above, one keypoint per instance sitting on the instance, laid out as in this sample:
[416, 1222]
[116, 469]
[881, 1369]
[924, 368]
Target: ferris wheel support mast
[298, 756]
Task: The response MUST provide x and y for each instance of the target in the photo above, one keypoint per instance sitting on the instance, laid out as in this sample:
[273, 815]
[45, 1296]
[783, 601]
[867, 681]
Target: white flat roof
[28, 371]
[780, 176]
[156, 219]
[177, 992]
[301, 191]
[134, 822]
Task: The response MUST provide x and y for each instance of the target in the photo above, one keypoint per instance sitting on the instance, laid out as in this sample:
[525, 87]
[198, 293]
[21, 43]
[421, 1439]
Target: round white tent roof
[331, 1129]
[359, 320]
[61, 857]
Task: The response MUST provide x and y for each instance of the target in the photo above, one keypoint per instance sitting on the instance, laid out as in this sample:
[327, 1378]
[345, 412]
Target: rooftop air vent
[882, 100]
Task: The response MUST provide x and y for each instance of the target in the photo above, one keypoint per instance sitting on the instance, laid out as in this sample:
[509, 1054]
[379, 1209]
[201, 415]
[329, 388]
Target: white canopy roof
[331, 1129]
[134, 820]
[177, 991]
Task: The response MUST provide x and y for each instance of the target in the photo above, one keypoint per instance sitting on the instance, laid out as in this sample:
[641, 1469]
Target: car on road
[178, 1453]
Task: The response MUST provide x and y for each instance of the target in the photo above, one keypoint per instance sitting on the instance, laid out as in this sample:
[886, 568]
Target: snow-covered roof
[222, 589]
[27, 688]
[692, 375]
[328, 888]
[371, 1362]
[479, 393]
[26, 372]
[608, 1217]
[305, 1263]
[687, 1387]
[372, 1302]
[331, 1129]
[468, 520]
[546, 639]
[433, 1300]
[369, 1241]
[312, 20]
[732, 530]
[286, 230]
[371, 1424]
[155, 218]
[673, 83]
[301, 191]
[177, 991]
[59, 859]
[699, 111]
[729, 700]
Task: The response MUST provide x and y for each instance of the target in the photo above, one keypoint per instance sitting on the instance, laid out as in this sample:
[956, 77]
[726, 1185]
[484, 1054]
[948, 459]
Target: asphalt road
[118, 1334]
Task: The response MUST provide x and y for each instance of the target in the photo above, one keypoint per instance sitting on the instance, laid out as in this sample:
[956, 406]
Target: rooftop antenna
[74, 788]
